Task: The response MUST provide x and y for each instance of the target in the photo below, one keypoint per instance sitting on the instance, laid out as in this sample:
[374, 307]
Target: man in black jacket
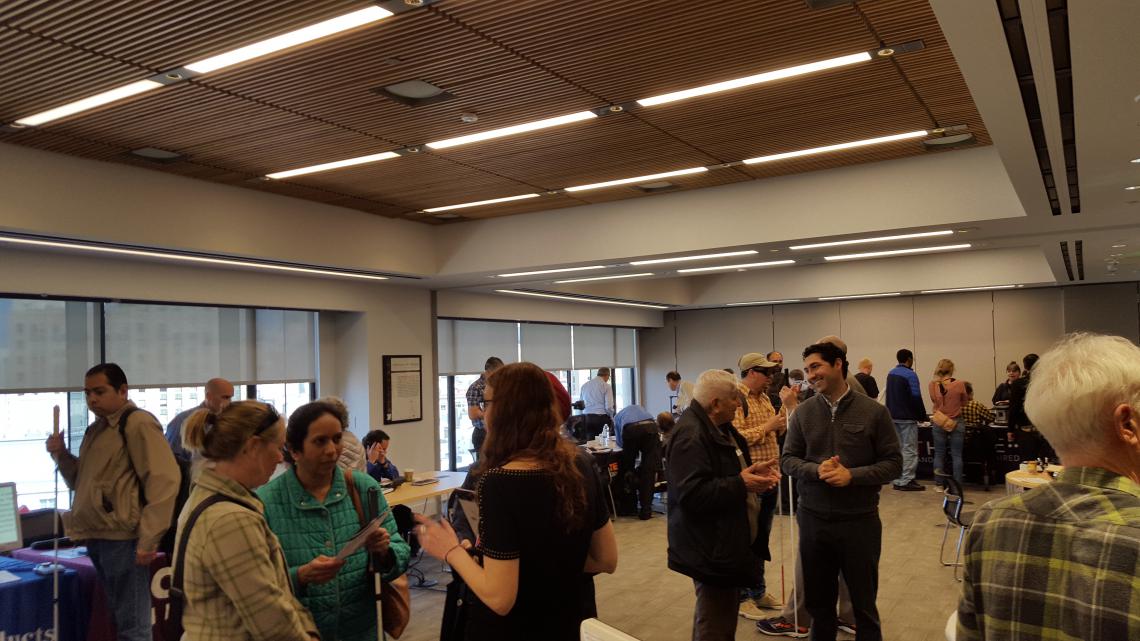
[841, 447]
[713, 505]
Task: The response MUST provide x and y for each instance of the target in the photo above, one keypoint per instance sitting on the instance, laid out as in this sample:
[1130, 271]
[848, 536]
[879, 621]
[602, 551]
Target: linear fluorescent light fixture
[553, 271]
[639, 179]
[859, 296]
[350, 162]
[583, 280]
[838, 147]
[91, 102]
[213, 63]
[757, 79]
[765, 302]
[680, 259]
[479, 203]
[291, 39]
[578, 299]
[966, 289]
[228, 262]
[770, 263]
[877, 239]
[512, 130]
[898, 252]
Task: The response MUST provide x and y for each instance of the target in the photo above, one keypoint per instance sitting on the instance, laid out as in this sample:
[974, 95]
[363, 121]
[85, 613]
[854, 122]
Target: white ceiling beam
[1035, 23]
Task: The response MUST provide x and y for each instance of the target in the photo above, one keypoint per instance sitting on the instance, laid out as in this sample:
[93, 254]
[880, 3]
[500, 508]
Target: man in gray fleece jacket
[841, 448]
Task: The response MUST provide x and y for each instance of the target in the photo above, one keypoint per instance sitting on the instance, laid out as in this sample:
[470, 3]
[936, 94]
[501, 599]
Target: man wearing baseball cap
[760, 425]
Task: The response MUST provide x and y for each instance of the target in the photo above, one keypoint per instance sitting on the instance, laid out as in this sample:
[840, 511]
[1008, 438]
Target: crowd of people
[258, 540]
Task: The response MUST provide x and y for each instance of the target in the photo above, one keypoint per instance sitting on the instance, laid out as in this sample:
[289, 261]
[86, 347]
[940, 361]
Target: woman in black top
[542, 521]
[1005, 388]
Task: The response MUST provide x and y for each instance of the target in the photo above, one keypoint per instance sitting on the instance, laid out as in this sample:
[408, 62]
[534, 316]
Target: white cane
[55, 538]
[795, 551]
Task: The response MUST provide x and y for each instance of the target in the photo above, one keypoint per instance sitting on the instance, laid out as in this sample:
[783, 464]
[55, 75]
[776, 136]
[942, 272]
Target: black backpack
[171, 626]
[167, 543]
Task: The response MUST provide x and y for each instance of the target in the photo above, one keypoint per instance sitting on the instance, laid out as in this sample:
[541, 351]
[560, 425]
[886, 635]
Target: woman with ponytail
[236, 582]
[542, 522]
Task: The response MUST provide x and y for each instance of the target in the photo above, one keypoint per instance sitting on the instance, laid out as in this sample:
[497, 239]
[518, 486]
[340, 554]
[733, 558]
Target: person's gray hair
[1077, 385]
[713, 384]
[684, 396]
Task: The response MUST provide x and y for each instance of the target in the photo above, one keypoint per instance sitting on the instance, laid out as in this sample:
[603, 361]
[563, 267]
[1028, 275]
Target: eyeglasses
[270, 420]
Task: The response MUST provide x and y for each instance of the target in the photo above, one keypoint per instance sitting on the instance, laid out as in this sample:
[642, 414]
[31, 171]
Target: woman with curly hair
[542, 522]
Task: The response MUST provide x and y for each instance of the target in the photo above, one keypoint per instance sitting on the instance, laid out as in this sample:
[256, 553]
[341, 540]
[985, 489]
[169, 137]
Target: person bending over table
[313, 510]
[236, 581]
[542, 521]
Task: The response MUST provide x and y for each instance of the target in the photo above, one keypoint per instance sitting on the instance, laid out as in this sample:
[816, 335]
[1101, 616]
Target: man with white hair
[1061, 561]
[713, 505]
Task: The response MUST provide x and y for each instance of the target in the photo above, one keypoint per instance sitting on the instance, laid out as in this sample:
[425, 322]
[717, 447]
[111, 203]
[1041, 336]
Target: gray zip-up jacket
[864, 437]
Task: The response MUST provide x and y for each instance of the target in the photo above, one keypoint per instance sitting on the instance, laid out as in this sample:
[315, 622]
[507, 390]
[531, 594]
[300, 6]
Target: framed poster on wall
[403, 389]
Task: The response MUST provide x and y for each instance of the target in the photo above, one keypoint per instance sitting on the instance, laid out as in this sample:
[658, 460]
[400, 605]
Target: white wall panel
[1025, 321]
[657, 355]
[716, 338]
[1106, 309]
[959, 327]
[877, 329]
[797, 326]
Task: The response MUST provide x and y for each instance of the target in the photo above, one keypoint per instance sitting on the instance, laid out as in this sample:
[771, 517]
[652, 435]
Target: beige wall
[980, 331]
[452, 303]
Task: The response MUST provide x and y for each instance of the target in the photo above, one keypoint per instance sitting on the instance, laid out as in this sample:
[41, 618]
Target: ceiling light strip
[284, 41]
[512, 130]
[757, 79]
[228, 262]
[966, 289]
[637, 179]
[578, 299]
[877, 239]
[839, 147]
[765, 302]
[680, 259]
[898, 252]
[859, 296]
[584, 280]
[338, 164]
[553, 271]
[771, 263]
[480, 203]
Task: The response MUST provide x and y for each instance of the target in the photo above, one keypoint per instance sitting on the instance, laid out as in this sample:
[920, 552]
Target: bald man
[219, 393]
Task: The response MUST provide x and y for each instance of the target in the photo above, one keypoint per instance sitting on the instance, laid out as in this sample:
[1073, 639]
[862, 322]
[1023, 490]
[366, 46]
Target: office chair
[952, 502]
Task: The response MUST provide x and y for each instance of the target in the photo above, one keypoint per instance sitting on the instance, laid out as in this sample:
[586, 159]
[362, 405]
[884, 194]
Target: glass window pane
[25, 423]
[285, 397]
[444, 425]
[623, 385]
[464, 454]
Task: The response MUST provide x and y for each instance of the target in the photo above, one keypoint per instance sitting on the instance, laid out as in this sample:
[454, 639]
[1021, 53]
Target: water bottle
[606, 436]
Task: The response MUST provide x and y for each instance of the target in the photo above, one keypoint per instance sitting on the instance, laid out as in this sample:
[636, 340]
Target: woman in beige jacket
[236, 581]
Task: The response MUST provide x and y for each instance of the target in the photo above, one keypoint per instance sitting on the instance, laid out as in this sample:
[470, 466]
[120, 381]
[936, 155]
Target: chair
[952, 502]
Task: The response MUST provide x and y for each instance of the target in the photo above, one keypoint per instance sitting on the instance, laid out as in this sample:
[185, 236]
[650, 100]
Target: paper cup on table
[1031, 466]
[409, 475]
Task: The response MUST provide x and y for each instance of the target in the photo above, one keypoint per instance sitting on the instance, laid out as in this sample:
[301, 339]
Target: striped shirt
[1061, 562]
[762, 444]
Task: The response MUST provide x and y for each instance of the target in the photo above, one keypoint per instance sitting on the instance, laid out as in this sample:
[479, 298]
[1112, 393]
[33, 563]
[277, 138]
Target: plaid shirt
[974, 413]
[762, 444]
[1059, 562]
[237, 582]
[475, 398]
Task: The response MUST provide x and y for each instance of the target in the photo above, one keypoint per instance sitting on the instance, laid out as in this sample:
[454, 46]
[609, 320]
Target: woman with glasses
[316, 508]
[542, 520]
[236, 581]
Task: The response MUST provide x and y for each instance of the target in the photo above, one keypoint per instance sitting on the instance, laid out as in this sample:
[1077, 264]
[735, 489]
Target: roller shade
[445, 346]
[46, 344]
[284, 345]
[593, 347]
[475, 341]
[625, 354]
[547, 346]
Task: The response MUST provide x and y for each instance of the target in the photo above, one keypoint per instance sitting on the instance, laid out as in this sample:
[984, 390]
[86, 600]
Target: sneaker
[780, 627]
[912, 486]
[749, 610]
[849, 628]
[769, 602]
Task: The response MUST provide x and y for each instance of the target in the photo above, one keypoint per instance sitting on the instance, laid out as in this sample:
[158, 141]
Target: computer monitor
[10, 537]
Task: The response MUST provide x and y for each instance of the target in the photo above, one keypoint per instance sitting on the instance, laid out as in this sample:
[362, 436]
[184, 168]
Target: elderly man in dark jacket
[714, 505]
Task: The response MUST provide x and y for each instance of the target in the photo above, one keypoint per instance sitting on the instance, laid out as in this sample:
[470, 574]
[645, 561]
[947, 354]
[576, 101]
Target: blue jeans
[127, 586]
[957, 439]
[908, 442]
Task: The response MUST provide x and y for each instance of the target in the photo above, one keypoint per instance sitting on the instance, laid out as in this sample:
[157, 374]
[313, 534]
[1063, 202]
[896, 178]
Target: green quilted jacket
[344, 608]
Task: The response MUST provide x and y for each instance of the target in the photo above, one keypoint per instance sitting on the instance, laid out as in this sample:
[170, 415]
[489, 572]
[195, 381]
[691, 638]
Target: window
[464, 428]
[286, 397]
[445, 423]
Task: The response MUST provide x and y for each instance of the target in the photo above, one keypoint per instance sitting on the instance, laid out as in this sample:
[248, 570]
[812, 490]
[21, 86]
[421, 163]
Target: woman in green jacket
[311, 510]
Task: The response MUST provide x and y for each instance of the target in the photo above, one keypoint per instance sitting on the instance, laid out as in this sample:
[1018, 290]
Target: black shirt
[868, 383]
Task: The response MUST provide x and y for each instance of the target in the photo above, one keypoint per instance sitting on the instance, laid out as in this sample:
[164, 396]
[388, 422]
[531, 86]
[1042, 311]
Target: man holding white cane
[120, 525]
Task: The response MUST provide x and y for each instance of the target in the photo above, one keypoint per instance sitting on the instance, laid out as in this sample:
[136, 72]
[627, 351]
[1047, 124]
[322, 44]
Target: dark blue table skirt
[26, 605]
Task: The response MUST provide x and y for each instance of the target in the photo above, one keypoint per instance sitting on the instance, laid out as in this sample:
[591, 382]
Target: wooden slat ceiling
[508, 62]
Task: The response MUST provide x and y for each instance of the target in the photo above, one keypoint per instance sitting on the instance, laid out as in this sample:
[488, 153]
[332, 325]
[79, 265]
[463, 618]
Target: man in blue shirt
[376, 451]
[219, 393]
[904, 402]
[598, 397]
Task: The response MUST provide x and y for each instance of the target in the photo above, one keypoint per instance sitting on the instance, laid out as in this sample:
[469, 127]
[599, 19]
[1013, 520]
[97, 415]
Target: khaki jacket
[106, 503]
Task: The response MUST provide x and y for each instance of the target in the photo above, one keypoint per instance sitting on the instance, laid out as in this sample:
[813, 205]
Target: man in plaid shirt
[759, 426]
[1062, 560]
[973, 412]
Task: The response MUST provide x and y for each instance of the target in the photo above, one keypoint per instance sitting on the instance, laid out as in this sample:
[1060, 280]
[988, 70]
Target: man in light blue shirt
[598, 397]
